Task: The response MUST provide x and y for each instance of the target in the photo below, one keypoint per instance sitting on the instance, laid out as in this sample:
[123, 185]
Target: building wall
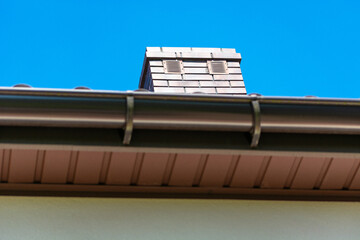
[110, 218]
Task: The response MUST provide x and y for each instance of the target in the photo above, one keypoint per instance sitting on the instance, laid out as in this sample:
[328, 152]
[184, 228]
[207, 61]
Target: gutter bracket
[129, 125]
[256, 129]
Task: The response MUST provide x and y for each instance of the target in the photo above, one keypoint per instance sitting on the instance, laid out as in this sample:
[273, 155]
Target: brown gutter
[109, 109]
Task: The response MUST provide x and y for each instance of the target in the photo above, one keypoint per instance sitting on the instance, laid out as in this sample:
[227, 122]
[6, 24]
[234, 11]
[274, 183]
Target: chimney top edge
[190, 49]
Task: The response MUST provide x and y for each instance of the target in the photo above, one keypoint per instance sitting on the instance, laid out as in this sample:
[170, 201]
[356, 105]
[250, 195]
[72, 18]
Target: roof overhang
[73, 141]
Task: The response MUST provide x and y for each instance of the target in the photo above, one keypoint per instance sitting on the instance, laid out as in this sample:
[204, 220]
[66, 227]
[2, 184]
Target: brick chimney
[192, 70]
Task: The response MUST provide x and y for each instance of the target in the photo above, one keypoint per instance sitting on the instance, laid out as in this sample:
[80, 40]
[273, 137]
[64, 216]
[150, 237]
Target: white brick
[166, 76]
[160, 55]
[231, 90]
[176, 49]
[197, 77]
[225, 55]
[200, 55]
[203, 90]
[153, 49]
[183, 83]
[214, 83]
[237, 83]
[168, 90]
[228, 50]
[160, 83]
[196, 70]
[235, 70]
[233, 64]
[157, 69]
[206, 49]
[194, 64]
[156, 63]
[228, 77]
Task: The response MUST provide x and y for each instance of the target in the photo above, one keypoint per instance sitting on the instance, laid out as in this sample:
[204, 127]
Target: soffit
[178, 172]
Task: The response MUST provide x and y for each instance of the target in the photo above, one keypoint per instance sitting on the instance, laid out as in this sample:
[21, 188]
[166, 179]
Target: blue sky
[289, 48]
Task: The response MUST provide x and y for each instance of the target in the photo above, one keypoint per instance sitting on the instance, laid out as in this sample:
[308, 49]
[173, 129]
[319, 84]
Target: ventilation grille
[174, 67]
[217, 67]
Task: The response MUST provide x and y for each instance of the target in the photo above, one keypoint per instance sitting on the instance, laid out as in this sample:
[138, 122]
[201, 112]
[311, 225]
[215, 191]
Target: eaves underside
[165, 162]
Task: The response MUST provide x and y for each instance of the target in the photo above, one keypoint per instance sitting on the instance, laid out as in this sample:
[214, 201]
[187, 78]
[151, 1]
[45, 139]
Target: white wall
[105, 218]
